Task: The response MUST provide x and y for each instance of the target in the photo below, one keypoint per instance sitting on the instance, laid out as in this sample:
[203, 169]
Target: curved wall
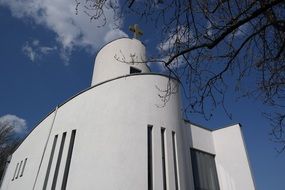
[110, 150]
[32, 149]
[116, 58]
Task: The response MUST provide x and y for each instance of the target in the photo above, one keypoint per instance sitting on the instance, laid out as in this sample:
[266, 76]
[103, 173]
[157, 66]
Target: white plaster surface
[231, 159]
[32, 149]
[202, 139]
[116, 58]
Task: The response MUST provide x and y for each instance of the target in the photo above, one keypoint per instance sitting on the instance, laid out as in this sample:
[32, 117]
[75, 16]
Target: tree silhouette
[211, 45]
[8, 143]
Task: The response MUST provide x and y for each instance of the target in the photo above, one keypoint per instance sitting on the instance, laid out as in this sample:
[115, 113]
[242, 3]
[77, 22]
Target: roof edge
[212, 130]
[198, 125]
[81, 92]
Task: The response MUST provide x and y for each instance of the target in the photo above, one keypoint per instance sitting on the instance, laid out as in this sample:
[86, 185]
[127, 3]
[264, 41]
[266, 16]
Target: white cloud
[46, 50]
[114, 34]
[239, 32]
[19, 125]
[36, 42]
[209, 29]
[34, 51]
[71, 30]
[180, 36]
[29, 52]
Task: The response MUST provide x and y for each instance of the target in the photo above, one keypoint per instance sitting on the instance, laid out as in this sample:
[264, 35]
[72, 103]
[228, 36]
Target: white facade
[100, 139]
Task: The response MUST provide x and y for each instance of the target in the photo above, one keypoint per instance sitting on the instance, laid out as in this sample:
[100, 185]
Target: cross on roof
[136, 30]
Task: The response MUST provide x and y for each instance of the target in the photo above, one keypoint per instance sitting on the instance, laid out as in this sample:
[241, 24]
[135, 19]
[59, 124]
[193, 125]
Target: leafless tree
[8, 143]
[214, 45]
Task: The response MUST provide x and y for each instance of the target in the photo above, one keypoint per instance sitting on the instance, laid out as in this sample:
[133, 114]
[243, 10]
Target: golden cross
[135, 29]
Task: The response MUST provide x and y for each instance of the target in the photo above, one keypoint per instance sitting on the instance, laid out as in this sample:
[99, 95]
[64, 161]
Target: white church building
[119, 135]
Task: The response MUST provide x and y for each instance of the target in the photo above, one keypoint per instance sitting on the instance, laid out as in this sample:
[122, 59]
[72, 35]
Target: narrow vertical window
[50, 161]
[19, 169]
[174, 144]
[149, 157]
[22, 172]
[163, 158]
[15, 171]
[68, 160]
[58, 161]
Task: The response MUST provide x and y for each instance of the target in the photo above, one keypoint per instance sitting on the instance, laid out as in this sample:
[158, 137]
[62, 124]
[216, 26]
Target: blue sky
[46, 58]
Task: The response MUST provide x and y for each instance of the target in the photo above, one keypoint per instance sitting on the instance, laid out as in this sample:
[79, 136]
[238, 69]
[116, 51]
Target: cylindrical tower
[118, 58]
[125, 132]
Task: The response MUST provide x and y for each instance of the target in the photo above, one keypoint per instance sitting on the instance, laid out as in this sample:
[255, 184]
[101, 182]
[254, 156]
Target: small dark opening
[57, 166]
[50, 161]
[134, 70]
[68, 160]
[24, 167]
[175, 160]
[163, 158]
[149, 157]
[19, 169]
[15, 171]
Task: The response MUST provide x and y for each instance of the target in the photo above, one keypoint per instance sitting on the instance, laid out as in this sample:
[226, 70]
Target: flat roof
[208, 129]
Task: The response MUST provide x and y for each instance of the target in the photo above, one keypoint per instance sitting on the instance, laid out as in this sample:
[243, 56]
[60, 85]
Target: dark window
[58, 161]
[15, 171]
[50, 161]
[22, 173]
[19, 169]
[149, 156]
[68, 160]
[204, 170]
[134, 70]
[175, 160]
[163, 158]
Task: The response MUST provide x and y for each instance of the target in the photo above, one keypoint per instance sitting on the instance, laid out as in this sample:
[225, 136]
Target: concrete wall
[116, 58]
[32, 148]
[110, 150]
[112, 134]
[201, 139]
[231, 159]
[198, 138]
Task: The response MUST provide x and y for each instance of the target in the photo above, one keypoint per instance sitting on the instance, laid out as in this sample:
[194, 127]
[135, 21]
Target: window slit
[163, 158]
[175, 160]
[15, 171]
[50, 161]
[149, 157]
[58, 161]
[24, 167]
[19, 169]
[68, 160]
